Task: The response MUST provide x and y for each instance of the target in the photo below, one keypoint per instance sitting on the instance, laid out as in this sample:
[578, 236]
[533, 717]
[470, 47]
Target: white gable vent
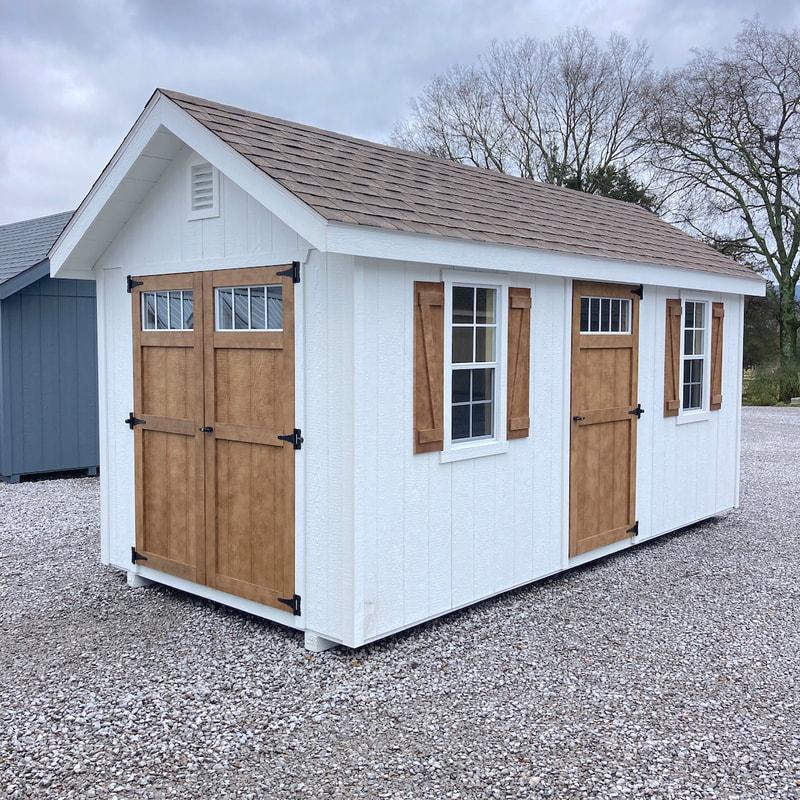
[203, 191]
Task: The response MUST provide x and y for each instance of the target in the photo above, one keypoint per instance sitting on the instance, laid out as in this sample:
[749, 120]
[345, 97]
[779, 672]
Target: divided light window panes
[473, 362]
[605, 315]
[168, 311]
[249, 308]
[694, 354]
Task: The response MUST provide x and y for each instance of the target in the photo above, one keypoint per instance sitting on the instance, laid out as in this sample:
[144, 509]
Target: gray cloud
[74, 76]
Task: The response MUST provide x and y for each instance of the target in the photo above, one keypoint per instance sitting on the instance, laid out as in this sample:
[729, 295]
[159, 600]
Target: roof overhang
[24, 278]
[163, 129]
[402, 246]
[156, 137]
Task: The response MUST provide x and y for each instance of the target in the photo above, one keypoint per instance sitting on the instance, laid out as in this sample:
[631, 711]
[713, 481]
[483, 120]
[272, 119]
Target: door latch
[638, 411]
[578, 419]
[205, 429]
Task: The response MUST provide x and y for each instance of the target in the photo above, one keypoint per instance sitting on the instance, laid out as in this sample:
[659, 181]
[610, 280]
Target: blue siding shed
[48, 358]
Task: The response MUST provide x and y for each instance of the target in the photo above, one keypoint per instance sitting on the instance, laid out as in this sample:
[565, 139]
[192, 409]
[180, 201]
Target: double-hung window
[471, 366]
[694, 356]
[473, 362]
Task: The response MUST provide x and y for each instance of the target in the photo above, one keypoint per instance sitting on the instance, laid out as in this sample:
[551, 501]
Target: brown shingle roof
[359, 182]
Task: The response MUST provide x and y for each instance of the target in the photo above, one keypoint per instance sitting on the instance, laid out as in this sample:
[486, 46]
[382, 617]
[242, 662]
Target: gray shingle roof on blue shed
[25, 244]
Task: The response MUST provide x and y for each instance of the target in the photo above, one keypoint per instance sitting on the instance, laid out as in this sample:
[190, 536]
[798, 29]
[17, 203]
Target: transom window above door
[605, 315]
[249, 308]
[168, 311]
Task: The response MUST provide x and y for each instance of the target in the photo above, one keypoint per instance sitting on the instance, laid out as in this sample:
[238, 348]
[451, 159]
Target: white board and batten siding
[410, 537]
[159, 238]
[687, 470]
[393, 538]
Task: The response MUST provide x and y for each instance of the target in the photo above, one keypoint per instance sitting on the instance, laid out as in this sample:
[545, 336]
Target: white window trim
[696, 414]
[215, 209]
[476, 448]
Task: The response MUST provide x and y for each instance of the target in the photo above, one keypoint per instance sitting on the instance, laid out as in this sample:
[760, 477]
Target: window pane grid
[474, 361]
[249, 308]
[694, 352]
[605, 315]
[472, 403]
[168, 310]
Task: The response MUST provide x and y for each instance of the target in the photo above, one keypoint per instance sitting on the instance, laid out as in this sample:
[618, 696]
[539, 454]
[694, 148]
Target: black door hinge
[638, 411]
[292, 602]
[294, 437]
[132, 283]
[136, 556]
[131, 421]
[293, 272]
[635, 529]
[639, 290]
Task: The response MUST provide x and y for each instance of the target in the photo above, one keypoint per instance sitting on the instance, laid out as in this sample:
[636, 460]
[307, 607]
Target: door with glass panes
[213, 392]
[605, 412]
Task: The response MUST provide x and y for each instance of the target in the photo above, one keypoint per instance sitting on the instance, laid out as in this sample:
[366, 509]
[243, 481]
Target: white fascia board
[162, 112]
[110, 178]
[404, 246]
[310, 225]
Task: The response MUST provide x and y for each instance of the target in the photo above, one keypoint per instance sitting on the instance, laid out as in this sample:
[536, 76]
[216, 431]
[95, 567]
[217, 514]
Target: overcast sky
[74, 74]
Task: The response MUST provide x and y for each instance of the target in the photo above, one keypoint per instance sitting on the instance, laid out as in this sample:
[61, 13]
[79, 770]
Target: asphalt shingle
[351, 181]
[25, 244]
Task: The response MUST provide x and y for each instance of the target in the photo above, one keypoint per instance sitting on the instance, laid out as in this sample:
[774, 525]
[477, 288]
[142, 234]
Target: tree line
[713, 146]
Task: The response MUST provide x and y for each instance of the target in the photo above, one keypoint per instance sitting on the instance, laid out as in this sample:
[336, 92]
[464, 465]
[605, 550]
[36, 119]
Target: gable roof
[357, 182]
[24, 245]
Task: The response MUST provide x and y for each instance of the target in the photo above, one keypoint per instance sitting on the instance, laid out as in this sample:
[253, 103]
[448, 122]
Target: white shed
[349, 388]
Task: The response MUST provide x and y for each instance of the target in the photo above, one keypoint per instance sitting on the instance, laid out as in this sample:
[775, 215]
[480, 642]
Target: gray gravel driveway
[669, 671]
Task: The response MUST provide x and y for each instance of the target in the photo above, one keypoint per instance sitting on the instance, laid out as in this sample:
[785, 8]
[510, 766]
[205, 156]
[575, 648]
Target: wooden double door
[213, 392]
[605, 411]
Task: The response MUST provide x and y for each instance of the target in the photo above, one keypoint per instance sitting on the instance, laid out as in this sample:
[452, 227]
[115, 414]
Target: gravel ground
[669, 671]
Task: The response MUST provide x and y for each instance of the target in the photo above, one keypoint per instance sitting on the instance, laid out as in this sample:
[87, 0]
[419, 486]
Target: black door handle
[205, 429]
[578, 419]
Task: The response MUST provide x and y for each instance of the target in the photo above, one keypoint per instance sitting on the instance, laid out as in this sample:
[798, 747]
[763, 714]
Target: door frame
[199, 583]
[629, 530]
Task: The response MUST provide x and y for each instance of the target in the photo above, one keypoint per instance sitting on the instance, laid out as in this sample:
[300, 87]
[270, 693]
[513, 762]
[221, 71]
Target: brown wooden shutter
[672, 359]
[519, 362]
[717, 317]
[428, 366]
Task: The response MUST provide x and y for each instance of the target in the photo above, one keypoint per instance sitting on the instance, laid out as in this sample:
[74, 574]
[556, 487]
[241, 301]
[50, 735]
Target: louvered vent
[202, 187]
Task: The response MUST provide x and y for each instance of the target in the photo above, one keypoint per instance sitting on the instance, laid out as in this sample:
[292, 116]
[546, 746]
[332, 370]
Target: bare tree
[727, 136]
[564, 111]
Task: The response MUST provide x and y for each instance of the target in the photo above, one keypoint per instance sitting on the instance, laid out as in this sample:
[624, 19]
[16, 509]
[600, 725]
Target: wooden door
[604, 413]
[214, 482]
[249, 401]
[168, 411]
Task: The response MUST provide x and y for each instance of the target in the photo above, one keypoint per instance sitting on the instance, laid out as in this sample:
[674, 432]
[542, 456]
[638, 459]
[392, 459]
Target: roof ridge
[358, 182]
[400, 151]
